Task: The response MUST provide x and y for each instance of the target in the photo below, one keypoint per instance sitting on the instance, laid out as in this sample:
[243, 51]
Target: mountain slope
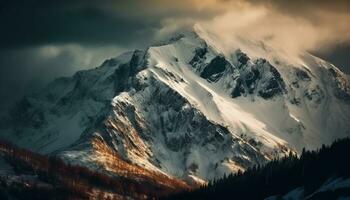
[188, 108]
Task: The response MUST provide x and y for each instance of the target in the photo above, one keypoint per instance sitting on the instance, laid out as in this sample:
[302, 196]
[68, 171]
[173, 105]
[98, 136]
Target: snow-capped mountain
[188, 108]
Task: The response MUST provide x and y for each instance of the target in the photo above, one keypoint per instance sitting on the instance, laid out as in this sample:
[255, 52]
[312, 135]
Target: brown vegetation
[112, 162]
[76, 182]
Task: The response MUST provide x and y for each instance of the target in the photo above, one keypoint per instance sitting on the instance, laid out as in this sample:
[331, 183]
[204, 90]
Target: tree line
[278, 177]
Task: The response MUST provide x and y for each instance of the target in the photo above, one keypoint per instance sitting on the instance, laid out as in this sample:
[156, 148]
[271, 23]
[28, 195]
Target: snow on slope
[189, 107]
[315, 104]
[57, 116]
[332, 188]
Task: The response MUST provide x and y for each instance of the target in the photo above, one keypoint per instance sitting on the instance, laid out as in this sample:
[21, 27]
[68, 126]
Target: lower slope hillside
[33, 176]
[320, 174]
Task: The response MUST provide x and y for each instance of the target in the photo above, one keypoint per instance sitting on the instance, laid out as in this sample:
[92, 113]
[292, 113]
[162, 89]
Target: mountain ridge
[189, 100]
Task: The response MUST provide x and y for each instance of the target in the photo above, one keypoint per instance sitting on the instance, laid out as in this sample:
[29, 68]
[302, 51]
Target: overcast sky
[44, 39]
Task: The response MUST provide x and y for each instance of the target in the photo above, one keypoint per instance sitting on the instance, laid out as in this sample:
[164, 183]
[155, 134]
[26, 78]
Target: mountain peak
[191, 107]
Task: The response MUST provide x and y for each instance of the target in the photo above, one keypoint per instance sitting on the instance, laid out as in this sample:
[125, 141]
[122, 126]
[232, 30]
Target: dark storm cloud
[28, 23]
[123, 22]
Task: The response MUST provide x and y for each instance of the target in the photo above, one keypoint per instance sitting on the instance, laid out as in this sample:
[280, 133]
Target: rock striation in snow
[188, 108]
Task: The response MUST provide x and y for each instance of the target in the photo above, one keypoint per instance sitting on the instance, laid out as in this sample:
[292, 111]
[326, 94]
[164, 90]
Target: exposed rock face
[257, 77]
[214, 70]
[341, 84]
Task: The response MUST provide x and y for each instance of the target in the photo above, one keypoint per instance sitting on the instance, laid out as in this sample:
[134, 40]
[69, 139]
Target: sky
[44, 39]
